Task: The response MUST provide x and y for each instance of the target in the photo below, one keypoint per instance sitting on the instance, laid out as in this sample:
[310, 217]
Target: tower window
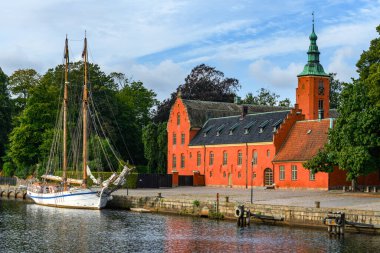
[178, 119]
[199, 158]
[225, 157]
[321, 88]
[320, 104]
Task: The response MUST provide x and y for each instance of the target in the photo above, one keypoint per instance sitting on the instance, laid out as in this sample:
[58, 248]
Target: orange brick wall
[179, 148]
[307, 96]
[303, 177]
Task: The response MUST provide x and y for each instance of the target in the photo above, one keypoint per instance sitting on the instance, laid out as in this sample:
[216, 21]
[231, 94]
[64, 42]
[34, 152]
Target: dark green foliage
[155, 141]
[322, 162]
[203, 83]
[355, 139]
[123, 113]
[20, 84]
[265, 97]
[369, 69]
[149, 138]
[5, 114]
[335, 90]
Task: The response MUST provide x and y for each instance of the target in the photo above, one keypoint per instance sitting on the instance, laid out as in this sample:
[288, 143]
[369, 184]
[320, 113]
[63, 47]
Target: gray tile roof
[233, 129]
[200, 111]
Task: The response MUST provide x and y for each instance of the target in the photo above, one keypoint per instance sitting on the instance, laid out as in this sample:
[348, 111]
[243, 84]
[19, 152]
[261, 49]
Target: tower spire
[313, 67]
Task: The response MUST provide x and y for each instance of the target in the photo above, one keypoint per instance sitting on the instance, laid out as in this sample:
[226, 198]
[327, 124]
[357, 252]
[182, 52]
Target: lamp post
[252, 182]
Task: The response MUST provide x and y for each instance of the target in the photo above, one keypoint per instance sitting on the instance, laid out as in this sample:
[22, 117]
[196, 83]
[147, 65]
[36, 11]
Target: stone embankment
[290, 215]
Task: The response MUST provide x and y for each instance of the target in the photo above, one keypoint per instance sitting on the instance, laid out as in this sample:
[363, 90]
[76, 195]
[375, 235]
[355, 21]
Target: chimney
[320, 114]
[244, 111]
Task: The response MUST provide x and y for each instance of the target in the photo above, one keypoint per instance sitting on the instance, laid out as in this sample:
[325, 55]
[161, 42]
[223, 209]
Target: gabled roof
[200, 111]
[304, 140]
[239, 125]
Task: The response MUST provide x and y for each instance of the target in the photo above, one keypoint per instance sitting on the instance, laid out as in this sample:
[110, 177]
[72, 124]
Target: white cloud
[339, 63]
[273, 76]
[162, 78]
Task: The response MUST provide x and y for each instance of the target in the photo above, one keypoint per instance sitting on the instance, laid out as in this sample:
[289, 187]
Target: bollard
[217, 202]
[367, 189]
[317, 204]
[227, 199]
[374, 189]
[344, 188]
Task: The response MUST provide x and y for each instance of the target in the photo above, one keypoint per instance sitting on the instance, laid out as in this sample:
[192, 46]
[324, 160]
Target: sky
[261, 43]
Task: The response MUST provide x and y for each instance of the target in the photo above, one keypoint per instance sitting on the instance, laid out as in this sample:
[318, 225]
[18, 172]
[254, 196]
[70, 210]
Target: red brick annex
[226, 144]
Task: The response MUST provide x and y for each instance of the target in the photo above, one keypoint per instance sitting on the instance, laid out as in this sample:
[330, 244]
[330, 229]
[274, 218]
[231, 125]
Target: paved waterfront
[304, 198]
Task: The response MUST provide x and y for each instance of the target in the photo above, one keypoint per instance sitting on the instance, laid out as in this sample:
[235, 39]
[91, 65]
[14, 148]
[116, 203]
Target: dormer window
[263, 125]
[219, 129]
[248, 127]
[276, 124]
[233, 128]
[205, 132]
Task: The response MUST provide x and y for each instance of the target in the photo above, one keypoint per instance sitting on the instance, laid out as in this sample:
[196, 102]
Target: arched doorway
[268, 176]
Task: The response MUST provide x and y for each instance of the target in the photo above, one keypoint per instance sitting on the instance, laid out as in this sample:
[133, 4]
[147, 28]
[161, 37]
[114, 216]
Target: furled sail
[92, 176]
[59, 179]
[121, 179]
[107, 182]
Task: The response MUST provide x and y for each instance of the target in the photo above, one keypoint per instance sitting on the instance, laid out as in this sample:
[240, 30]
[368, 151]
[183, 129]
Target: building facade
[245, 145]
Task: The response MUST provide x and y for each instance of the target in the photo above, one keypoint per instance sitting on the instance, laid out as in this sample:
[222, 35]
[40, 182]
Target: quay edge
[292, 215]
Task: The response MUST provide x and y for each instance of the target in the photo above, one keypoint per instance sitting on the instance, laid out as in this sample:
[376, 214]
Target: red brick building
[235, 145]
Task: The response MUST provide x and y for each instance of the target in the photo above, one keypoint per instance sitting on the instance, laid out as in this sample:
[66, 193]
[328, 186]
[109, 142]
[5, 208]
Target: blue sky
[261, 43]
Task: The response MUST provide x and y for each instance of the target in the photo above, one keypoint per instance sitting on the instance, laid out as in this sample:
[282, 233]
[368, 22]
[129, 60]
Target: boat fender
[238, 212]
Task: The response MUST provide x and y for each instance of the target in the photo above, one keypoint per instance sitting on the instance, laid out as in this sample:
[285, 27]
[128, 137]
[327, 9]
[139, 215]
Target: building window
[311, 176]
[321, 88]
[174, 139]
[268, 153]
[254, 157]
[294, 172]
[182, 161]
[182, 139]
[199, 159]
[320, 104]
[211, 160]
[224, 174]
[174, 162]
[282, 172]
[210, 173]
[225, 157]
[240, 158]
[178, 119]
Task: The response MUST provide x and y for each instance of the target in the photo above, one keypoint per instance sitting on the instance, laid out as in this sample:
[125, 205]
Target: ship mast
[84, 108]
[65, 102]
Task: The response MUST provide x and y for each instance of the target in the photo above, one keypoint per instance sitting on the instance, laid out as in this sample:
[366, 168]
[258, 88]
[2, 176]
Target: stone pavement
[304, 198]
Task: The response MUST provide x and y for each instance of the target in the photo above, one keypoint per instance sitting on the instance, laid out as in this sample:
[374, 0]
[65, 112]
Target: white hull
[73, 198]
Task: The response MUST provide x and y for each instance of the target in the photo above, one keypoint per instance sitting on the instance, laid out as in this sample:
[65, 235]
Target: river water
[32, 228]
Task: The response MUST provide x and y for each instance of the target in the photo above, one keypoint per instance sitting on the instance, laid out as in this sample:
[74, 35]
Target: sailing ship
[71, 192]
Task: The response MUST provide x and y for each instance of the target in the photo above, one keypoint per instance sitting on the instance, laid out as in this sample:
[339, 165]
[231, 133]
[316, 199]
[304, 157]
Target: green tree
[203, 83]
[355, 139]
[335, 90]
[20, 84]
[369, 69]
[5, 113]
[162, 147]
[149, 138]
[285, 103]
[265, 97]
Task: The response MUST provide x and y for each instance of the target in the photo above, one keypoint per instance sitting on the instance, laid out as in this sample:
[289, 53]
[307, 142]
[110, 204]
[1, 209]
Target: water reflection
[32, 228]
